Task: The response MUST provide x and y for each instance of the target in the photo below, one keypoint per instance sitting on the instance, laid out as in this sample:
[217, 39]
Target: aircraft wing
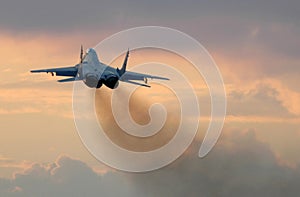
[64, 71]
[136, 83]
[131, 77]
[139, 76]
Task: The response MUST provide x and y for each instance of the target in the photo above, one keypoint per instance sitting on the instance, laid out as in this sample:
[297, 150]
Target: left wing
[65, 71]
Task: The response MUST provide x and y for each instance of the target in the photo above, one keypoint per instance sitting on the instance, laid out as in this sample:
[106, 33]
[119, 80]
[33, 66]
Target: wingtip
[163, 78]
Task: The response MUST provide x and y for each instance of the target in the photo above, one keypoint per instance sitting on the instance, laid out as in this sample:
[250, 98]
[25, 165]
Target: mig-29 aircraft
[95, 73]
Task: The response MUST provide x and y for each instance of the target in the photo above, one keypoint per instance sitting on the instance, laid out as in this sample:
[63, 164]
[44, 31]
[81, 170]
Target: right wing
[64, 71]
[131, 77]
[139, 76]
[136, 83]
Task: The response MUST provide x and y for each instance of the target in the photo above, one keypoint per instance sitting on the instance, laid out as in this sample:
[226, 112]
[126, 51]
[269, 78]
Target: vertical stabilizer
[123, 68]
[81, 54]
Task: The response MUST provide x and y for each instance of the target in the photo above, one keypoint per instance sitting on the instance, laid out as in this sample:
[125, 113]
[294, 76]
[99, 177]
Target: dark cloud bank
[239, 165]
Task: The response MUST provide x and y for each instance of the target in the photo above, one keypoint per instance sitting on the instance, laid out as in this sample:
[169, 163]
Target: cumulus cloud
[257, 37]
[290, 99]
[264, 98]
[240, 165]
[6, 162]
[65, 177]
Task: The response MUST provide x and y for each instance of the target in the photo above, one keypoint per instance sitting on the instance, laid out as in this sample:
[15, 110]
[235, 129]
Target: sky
[256, 47]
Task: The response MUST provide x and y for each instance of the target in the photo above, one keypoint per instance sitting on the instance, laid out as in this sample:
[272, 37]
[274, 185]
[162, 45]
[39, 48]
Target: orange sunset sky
[255, 45]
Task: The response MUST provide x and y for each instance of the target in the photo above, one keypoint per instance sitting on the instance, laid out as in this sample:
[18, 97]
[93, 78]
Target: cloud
[34, 15]
[6, 162]
[264, 98]
[261, 100]
[290, 99]
[250, 41]
[239, 165]
[36, 100]
[65, 177]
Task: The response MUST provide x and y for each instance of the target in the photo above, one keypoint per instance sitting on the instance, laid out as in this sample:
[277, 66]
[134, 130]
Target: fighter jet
[95, 73]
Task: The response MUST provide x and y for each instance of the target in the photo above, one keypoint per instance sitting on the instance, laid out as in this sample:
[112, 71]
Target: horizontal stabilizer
[136, 83]
[38, 71]
[67, 79]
